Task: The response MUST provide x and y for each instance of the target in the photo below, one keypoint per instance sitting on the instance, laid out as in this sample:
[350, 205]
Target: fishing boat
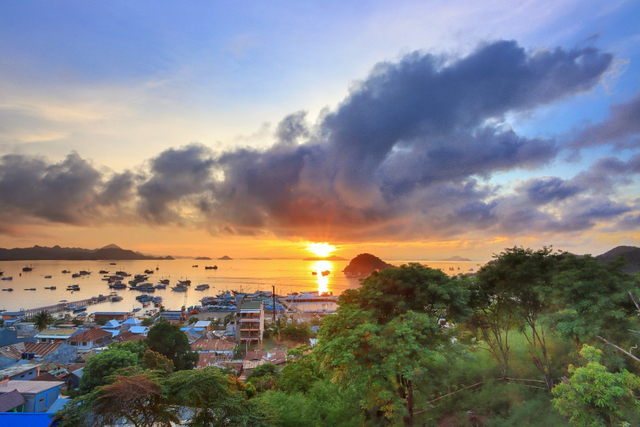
[80, 309]
[112, 263]
[104, 271]
[29, 289]
[179, 288]
[8, 278]
[325, 273]
[8, 289]
[116, 298]
[47, 277]
[73, 287]
[27, 268]
[202, 287]
[66, 271]
[211, 267]
[53, 288]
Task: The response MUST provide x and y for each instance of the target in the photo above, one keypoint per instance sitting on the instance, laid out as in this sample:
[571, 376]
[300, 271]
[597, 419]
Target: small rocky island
[364, 264]
[225, 258]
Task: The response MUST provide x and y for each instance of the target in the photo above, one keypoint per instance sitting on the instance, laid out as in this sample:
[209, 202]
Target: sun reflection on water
[323, 280]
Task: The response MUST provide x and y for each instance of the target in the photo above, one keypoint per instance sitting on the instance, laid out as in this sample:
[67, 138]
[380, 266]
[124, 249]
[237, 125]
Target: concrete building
[53, 335]
[251, 322]
[88, 340]
[38, 395]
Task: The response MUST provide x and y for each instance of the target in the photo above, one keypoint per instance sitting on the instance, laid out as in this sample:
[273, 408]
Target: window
[84, 343]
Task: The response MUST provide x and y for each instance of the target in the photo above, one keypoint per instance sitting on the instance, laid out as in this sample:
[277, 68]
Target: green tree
[595, 397]
[216, 399]
[264, 377]
[298, 333]
[98, 369]
[136, 397]
[519, 279]
[42, 320]
[157, 362]
[590, 299]
[170, 341]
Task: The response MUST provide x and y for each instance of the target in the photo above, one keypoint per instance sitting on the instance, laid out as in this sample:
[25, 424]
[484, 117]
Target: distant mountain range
[456, 258]
[630, 253]
[109, 252]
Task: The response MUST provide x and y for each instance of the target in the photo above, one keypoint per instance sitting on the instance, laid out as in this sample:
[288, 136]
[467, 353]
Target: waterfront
[239, 274]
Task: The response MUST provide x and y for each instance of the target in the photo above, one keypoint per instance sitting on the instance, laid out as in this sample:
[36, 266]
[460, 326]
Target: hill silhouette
[629, 253]
[109, 252]
[364, 264]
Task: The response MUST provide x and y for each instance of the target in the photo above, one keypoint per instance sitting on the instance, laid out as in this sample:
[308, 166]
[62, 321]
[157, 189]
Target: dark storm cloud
[408, 154]
[621, 128]
[176, 175]
[67, 192]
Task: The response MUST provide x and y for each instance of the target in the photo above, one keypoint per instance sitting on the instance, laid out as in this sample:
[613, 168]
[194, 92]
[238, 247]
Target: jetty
[62, 306]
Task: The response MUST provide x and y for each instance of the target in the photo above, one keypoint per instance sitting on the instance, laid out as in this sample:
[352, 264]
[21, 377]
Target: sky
[407, 129]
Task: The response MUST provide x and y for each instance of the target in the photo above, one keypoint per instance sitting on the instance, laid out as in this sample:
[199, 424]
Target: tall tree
[214, 398]
[384, 332]
[100, 367]
[517, 280]
[43, 320]
[170, 341]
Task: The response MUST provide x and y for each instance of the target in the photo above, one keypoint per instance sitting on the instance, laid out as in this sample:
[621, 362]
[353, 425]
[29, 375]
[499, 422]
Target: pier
[61, 307]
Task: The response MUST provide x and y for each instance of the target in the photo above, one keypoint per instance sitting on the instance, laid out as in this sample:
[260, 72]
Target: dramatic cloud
[409, 154]
[621, 128]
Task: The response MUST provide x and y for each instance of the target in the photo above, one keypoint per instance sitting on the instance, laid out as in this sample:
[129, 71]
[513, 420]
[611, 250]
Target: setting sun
[321, 249]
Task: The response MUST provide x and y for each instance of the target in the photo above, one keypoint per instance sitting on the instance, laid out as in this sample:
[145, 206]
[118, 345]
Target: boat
[71, 306]
[75, 275]
[73, 287]
[27, 268]
[137, 309]
[161, 286]
[314, 273]
[1, 272]
[8, 289]
[8, 278]
[112, 263]
[84, 272]
[118, 285]
[29, 289]
[66, 271]
[53, 288]
[47, 277]
[211, 267]
[80, 309]
[116, 298]
[196, 266]
[104, 272]
[202, 287]
[179, 288]
[164, 281]
[325, 273]
[148, 272]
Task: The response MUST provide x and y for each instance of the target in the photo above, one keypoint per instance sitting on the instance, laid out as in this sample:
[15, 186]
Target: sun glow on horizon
[321, 249]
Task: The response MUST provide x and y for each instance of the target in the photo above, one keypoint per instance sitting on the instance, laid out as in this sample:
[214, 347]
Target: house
[251, 320]
[90, 339]
[20, 372]
[54, 335]
[112, 324]
[132, 321]
[203, 324]
[128, 336]
[222, 348]
[39, 395]
[174, 316]
[139, 330]
[12, 402]
[60, 352]
[111, 315]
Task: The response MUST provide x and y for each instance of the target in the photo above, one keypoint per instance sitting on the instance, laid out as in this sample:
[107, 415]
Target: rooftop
[10, 400]
[90, 335]
[56, 333]
[16, 369]
[29, 387]
[252, 305]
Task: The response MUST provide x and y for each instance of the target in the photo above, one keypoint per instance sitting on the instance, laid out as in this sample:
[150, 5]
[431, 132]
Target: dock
[61, 307]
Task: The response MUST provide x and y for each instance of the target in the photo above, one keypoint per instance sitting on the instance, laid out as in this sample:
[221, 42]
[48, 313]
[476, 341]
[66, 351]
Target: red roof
[214, 344]
[14, 351]
[129, 336]
[90, 335]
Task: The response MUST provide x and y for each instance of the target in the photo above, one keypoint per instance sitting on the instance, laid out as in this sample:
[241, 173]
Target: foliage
[157, 362]
[170, 341]
[42, 320]
[215, 398]
[298, 333]
[323, 405]
[593, 396]
[136, 347]
[98, 369]
[300, 374]
[148, 321]
[101, 321]
[192, 320]
[264, 377]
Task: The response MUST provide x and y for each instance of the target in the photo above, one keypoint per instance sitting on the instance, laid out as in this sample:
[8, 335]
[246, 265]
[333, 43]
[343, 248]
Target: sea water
[243, 275]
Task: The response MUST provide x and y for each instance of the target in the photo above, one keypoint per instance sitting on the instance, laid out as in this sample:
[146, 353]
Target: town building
[90, 339]
[38, 395]
[54, 335]
[251, 322]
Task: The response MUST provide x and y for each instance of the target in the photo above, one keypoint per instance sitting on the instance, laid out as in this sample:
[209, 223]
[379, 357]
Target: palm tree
[277, 327]
[42, 320]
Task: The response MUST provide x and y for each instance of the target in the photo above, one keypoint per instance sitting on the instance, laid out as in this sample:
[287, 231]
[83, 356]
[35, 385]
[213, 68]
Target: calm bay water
[239, 274]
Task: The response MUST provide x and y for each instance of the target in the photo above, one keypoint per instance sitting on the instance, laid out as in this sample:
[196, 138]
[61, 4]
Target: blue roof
[25, 419]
